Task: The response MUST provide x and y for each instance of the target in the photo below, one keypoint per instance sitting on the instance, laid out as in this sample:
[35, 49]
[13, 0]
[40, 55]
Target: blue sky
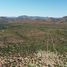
[46, 8]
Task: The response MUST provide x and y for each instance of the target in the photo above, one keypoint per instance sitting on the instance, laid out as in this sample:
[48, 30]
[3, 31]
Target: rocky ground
[41, 59]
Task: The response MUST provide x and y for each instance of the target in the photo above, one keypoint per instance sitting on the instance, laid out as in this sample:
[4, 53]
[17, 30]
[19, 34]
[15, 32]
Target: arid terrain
[33, 41]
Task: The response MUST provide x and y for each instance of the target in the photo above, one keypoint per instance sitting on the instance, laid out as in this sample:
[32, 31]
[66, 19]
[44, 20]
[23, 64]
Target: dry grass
[41, 59]
[30, 45]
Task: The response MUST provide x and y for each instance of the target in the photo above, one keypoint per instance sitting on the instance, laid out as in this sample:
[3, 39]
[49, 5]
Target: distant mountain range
[25, 18]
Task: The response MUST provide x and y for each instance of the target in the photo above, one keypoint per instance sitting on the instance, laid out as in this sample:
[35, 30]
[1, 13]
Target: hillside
[34, 19]
[33, 42]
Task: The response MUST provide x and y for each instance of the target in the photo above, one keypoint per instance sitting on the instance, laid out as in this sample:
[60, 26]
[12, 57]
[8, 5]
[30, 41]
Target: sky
[45, 8]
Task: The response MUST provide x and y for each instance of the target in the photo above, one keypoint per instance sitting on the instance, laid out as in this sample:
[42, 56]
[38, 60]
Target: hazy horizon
[35, 16]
